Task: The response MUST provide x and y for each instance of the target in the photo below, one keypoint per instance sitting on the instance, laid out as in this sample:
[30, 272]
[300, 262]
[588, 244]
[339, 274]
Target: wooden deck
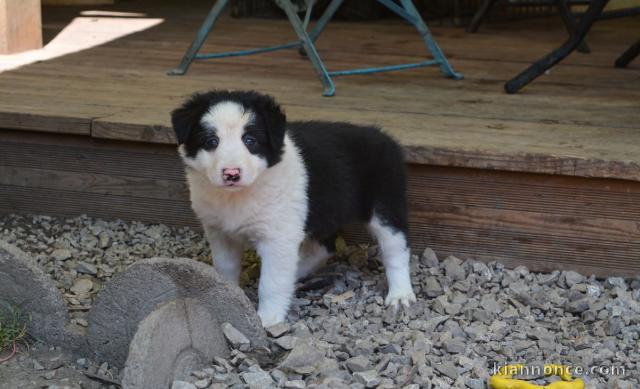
[549, 177]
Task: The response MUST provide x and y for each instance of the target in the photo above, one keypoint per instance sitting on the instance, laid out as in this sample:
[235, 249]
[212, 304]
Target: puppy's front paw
[397, 297]
[270, 318]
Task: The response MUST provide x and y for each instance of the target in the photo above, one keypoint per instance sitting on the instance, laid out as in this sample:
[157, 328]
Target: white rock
[82, 286]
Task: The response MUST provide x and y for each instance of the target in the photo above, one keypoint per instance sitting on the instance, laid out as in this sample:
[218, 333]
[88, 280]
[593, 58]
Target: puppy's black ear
[275, 121]
[187, 117]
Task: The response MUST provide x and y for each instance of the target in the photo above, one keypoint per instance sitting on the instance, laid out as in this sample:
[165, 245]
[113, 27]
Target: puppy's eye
[211, 143]
[249, 140]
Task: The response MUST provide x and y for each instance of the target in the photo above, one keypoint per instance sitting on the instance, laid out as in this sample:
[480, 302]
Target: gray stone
[391, 348]
[279, 376]
[475, 383]
[432, 287]
[23, 284]
[295, 384]
[578, 306]
[615, 282]
[453, 268]
[202, 383]
[53, 359]
[133, 294]
[257, 379]
[489, 303]
[303, 358]
[613, 326]
[61, 254]
[82, 286]
[572, 278]
[549, 278]
[447, 369]
[618, 383]
[367, 378]
[454, 346]
[359, 363]
[278, 330]
[429, 258]
[86, 268]
[177, 338]
[235, 338]
[104, 241]
[182, 385]
[287, 342]
[37, 365]
[431, 324]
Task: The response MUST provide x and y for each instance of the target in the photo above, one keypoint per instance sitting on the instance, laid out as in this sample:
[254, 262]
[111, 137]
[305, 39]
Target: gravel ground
[469, 317]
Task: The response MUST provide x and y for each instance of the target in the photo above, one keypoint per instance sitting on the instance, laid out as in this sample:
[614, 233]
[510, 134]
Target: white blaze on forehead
[226, 117]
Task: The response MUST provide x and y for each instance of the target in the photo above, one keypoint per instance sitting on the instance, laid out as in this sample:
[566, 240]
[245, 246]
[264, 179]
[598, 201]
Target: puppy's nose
[231, 174]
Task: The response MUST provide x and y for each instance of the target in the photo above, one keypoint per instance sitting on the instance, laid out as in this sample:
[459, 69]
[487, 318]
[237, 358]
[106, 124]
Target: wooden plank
[20, 26]
[43, 118]
[19, 199]
[93, 160]
[542, 222]
[453, 141]
[545, 222]
[94, 183]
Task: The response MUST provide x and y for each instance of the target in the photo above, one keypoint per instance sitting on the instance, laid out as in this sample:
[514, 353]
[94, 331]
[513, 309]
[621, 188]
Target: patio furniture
[564, 6]
[632, 52]
[592, 14]
[306, 41]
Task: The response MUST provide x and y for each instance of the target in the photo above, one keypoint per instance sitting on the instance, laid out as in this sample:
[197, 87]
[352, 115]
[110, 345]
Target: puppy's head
[231, 137]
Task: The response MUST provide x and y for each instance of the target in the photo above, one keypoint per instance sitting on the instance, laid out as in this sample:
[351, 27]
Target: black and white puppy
[287, 189]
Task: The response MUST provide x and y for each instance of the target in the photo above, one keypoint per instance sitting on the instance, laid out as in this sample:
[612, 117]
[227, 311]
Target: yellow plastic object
[504, 380]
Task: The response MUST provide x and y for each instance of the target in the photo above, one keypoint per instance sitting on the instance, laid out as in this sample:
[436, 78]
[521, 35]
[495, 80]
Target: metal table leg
[570, 23]
[557, 55]
[628, 56]
[480, 14]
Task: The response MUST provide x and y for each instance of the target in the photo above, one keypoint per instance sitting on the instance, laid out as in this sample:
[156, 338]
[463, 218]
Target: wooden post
[20, 26]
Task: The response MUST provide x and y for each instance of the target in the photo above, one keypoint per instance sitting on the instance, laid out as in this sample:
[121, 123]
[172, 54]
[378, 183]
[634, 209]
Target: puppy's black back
[354, 172]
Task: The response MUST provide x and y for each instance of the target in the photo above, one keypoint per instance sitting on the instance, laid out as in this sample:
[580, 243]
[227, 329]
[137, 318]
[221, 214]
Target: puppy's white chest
[252, 215]
[238, 216]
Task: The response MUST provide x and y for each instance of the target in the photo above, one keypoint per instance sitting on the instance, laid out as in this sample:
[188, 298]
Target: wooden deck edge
[543, 221]
[524, 163]
[564, 165]
[539, 163]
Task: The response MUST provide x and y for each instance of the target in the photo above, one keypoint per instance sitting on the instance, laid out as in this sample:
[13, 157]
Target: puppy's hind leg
[395, 257]
[314, 255]
[226, 253]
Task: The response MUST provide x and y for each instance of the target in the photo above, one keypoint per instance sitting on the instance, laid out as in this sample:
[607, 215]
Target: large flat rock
[134, 294]
[25, 286]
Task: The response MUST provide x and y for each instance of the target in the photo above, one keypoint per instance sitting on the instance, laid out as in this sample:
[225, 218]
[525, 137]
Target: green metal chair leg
[329, 88]
[431, 44]
[201, 36]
